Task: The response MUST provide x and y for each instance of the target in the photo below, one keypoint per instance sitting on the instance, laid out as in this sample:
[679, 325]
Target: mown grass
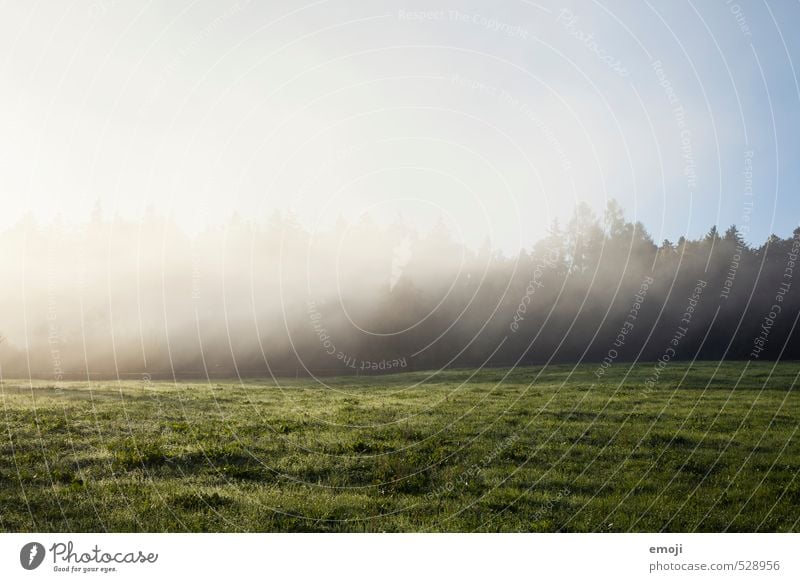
[531, 449]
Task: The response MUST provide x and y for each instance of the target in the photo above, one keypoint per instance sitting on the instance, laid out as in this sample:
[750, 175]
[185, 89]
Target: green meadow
[708, 448]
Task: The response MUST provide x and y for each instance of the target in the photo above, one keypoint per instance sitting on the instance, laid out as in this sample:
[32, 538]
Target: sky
[495, 118]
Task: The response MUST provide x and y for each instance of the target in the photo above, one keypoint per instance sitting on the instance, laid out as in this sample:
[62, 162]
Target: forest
[116, 297]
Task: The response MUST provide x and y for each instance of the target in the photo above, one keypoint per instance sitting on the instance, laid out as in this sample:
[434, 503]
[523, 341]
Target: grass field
[532, 449]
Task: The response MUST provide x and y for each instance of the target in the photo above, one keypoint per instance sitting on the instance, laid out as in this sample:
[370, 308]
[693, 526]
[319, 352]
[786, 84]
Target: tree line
[144, 297]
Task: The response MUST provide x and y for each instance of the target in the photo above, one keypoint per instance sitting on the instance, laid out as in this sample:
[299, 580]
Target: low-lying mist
[144, 298]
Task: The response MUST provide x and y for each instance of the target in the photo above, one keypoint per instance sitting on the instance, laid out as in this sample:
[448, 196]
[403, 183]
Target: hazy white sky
[496, 118]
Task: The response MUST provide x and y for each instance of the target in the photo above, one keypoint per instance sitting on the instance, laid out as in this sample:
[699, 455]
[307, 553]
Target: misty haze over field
[115, 297]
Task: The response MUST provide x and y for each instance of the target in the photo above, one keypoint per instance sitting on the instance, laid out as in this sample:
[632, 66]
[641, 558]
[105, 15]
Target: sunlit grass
[528, 450]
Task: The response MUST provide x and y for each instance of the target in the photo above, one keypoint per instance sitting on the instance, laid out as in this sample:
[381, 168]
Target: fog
[117, 298]
[111, 296]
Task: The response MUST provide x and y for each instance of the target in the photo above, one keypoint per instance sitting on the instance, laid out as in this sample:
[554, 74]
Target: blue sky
[497, 118]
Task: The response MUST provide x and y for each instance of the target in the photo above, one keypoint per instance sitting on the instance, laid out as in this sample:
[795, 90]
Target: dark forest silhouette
[145, 298]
